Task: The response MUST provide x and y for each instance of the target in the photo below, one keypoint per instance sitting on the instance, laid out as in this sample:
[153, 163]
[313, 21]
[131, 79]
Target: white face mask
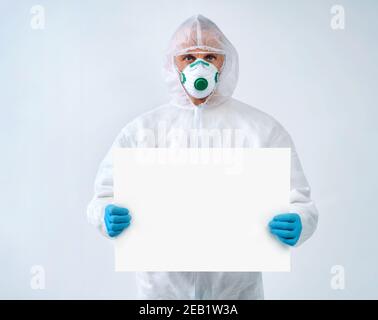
[199, 78]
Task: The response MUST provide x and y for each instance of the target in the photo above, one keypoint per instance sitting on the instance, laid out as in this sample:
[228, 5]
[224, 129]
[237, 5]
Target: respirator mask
[199, 78]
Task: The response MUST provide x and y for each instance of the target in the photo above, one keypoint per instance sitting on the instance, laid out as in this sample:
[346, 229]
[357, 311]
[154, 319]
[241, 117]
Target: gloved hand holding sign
[287, 227]
[116, 219]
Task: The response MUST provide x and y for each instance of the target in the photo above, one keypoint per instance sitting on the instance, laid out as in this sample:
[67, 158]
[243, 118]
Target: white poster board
[201, 209]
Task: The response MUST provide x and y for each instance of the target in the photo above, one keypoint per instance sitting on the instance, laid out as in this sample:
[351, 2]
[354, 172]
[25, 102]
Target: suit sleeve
[103, 187]
[300, 191]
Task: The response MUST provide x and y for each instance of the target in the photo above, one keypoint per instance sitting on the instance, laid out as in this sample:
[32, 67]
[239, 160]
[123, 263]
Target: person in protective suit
[201, 70]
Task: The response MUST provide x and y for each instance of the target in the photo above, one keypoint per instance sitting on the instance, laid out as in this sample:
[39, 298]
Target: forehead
[199, 52]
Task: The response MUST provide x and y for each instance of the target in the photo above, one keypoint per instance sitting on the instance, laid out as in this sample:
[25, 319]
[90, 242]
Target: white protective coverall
[219, 112]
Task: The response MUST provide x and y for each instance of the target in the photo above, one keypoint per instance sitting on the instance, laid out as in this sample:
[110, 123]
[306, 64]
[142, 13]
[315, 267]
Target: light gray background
[67, 90]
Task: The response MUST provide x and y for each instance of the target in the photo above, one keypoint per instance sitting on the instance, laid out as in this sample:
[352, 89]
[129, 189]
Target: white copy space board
[201, 209]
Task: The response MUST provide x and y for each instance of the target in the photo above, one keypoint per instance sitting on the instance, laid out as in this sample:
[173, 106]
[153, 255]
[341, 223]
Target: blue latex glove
[116, 219]
[287, 227]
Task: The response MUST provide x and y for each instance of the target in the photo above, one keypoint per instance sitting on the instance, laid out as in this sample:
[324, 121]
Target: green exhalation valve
[201, 84]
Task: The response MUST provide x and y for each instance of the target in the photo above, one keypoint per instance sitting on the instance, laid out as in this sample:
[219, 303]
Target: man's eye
[210, 57]
[189, 58]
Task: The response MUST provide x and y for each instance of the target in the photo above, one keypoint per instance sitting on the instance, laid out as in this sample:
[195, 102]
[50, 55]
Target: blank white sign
[201, 209]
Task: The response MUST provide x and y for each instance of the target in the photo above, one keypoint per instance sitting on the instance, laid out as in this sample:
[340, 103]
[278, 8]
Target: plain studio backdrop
[66, 91]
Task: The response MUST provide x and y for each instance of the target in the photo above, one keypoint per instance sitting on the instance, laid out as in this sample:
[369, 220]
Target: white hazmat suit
[219, 113]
